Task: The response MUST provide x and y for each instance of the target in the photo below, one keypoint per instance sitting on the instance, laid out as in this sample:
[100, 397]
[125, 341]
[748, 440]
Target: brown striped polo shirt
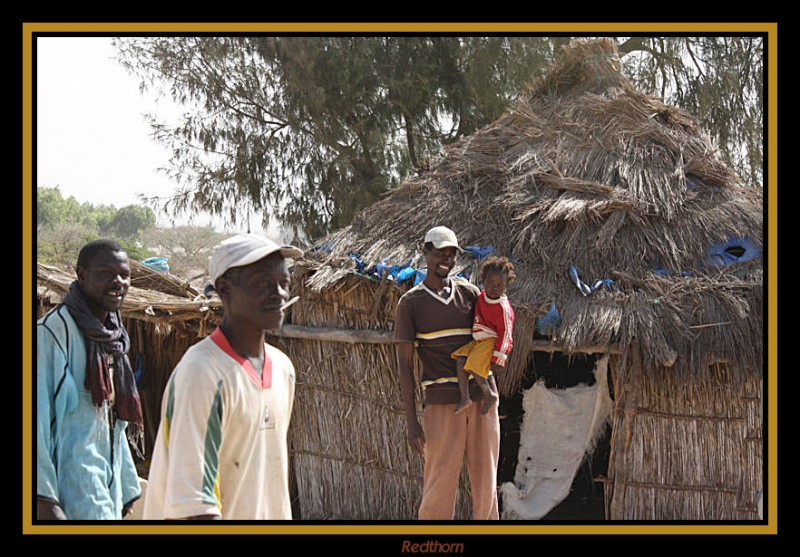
[438, 326]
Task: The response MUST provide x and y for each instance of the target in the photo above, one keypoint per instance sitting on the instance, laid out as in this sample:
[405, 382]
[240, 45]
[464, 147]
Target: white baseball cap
[244, 249]
[442, 237]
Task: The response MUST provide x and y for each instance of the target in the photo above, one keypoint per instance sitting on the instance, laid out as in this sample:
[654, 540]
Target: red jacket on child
[494, 319]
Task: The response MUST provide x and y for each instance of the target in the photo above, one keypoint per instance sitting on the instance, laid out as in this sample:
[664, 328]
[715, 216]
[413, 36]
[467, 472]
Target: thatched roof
[154, 296]
[587, 171]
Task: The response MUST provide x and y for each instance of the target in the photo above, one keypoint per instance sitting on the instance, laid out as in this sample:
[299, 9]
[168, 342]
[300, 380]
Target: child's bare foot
[490, 399]
[463, 405]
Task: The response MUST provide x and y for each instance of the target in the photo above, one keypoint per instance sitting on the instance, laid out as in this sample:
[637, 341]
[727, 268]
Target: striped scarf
[104, 340]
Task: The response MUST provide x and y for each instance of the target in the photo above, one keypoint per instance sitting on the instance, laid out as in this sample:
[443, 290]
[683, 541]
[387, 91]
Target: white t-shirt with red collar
[222, 445]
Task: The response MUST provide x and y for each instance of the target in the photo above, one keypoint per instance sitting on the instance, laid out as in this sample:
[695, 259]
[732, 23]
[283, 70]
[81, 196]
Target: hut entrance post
[626, 402]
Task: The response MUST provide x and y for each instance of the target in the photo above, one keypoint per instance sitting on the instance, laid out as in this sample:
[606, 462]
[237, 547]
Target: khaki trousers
[449, 438]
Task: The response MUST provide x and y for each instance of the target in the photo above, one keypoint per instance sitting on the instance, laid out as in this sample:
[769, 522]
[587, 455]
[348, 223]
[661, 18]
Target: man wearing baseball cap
[436, 316]
[221, 451]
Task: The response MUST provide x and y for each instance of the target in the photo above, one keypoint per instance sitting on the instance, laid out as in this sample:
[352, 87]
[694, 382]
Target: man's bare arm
[405, 366]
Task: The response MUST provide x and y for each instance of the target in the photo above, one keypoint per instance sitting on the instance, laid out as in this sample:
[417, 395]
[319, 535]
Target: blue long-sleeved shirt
[84, 462]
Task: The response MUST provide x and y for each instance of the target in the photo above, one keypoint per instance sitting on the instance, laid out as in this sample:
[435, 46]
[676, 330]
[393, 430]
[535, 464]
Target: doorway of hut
[585, 501]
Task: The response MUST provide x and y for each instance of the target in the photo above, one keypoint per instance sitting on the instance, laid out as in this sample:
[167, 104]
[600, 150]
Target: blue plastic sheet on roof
[664, 273]
[692, 182]
[405, 274]
[405, 271]
[478, 252]
[584, 288]
[398, 273]
[734, 250]
[380, 270]
[550, 321]
[392, 271]
[157, 264]
[360, 265]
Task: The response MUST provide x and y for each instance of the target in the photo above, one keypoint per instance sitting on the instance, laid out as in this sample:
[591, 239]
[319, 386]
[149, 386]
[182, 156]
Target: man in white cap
[221, 451]
[437, 316]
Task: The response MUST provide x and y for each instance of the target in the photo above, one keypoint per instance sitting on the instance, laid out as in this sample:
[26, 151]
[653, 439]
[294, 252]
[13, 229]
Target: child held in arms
[491, 334]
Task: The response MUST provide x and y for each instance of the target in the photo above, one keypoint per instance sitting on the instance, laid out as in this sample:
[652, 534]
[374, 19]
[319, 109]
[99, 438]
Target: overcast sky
[92, 140]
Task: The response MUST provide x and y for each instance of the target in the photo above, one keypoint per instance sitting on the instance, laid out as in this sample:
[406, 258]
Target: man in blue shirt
[86, 396]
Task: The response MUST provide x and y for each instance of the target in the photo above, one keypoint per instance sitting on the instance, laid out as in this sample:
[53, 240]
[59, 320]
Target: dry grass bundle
[156, 348]
[692, 447]
[345, 416]
[197, 314]
[146, 278]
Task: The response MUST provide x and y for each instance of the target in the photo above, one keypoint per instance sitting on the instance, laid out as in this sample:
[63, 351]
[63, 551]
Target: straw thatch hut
[639, 305]
[638, 259]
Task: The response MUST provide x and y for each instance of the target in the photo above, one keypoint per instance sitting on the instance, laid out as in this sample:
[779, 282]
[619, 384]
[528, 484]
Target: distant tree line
[64, 225]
